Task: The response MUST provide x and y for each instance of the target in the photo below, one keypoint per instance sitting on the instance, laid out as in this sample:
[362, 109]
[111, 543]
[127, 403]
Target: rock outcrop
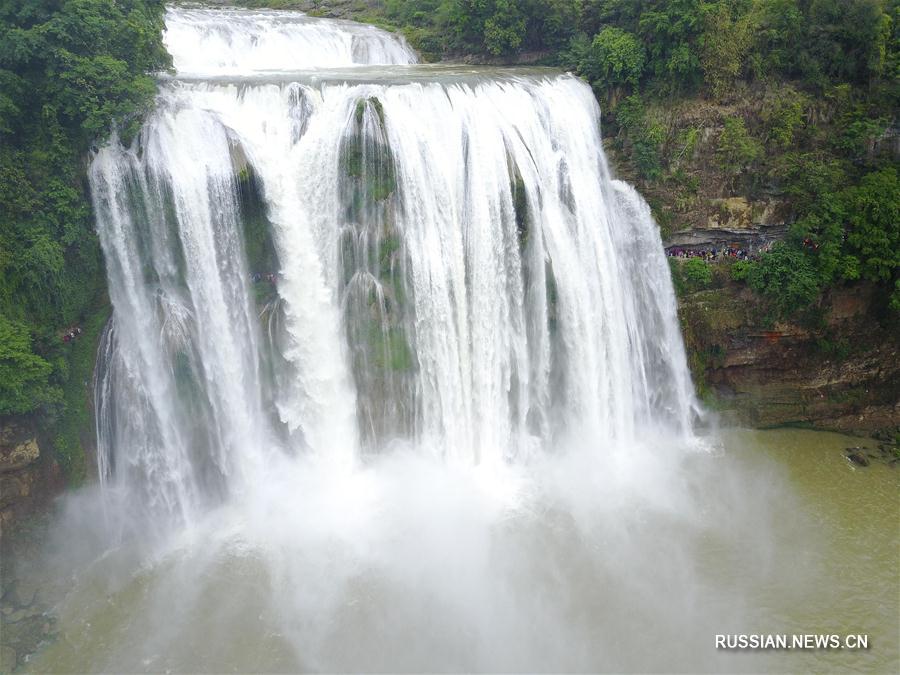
[843, 375]
[26, 477]
[734, 222]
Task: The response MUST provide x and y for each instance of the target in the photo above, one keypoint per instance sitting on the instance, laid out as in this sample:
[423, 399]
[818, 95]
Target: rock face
[17, 450]
[842, 376]
[734, 222]
[21, 470]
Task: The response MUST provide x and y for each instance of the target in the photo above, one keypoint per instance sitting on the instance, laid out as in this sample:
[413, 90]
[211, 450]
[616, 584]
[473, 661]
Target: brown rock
[857, 456]
[844, 376]
[20, 456]
[14, 487]
[18, 448]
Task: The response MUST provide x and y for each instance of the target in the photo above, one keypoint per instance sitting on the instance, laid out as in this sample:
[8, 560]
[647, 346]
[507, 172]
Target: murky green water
[849, 577]
[775, 533]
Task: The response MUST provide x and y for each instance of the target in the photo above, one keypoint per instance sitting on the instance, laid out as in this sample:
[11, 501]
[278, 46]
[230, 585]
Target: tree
[23, 374]
[69, 71]
[504, 29]
[873, 224]
[787, 277]
[615, 57]
[846, 40]
[670, 31]
[737, 149]
[552, 23]
[724, 43]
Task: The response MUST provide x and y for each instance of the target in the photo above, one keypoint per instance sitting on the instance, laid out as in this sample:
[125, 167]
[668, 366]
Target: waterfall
[394, 382]
[207, 43]
[311, 256]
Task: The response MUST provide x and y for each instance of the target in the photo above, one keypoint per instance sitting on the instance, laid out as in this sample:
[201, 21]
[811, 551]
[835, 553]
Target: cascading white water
[207, 43]
[456, 268]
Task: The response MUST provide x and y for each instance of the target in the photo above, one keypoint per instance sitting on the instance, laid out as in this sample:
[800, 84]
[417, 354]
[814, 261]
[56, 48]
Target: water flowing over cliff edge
[394, 381]
[451, 266]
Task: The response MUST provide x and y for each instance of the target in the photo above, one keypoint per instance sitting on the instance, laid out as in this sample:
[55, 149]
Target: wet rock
[27, 479]
[7, 659]
[18, 448]
[857, 456]
[14, 487]
[19, 456]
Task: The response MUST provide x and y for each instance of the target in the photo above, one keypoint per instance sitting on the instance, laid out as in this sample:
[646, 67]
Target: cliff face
[836, 367]
[842, 375]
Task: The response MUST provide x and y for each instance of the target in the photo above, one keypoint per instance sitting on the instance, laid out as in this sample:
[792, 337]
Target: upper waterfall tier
[210, 42]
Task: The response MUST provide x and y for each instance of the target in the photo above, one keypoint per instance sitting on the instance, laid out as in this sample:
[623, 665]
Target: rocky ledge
[843, 375]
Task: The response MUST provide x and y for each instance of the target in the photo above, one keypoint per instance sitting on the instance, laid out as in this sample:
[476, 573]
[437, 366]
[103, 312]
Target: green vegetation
[614, 57]
[389, 349]
[520, 206]
[366, 156]
[693, 274]
[74, 430]
[737, 150]
[495, 27]
[787, 276]
[23, 373]
[70, 71]
[640, 136]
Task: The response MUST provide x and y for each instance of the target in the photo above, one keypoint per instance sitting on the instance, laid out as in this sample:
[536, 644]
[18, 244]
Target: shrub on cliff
[737, 150]
[693, 274]
[787, 277]
[615, 57]
[851, 232]
[643, 137]
[23, 374]
[873, 226]
[697, 273]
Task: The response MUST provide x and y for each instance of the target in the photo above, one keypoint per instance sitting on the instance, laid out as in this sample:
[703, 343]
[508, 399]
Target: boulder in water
[857, 456]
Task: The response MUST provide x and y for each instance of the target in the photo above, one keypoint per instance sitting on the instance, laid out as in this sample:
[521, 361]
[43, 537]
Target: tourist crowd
[712, 254]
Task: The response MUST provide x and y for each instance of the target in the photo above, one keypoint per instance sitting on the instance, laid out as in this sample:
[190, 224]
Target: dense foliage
[69, 71]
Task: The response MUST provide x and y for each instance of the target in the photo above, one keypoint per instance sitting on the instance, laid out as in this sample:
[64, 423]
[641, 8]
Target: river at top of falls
[394, 381]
